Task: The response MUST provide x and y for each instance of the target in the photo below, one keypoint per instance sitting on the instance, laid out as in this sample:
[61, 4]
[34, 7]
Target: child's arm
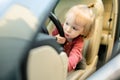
[75, 56]
[54, 32]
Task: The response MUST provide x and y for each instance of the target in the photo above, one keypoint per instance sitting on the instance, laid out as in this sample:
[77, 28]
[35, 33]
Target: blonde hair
[83, 14]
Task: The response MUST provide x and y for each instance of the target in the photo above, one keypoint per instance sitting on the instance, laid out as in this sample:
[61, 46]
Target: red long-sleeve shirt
[73, 50]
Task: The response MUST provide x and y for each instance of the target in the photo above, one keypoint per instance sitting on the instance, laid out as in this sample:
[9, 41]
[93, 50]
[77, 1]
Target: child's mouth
[66, 35]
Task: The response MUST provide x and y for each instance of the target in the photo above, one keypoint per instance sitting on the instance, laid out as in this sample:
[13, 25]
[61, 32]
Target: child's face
[72, 30]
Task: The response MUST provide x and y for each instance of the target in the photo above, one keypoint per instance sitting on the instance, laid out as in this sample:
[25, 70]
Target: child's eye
[75, 28]
[67, 23]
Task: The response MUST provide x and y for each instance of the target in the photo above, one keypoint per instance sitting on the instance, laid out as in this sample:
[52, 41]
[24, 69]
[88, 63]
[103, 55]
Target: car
[105, 42]
[29, 52]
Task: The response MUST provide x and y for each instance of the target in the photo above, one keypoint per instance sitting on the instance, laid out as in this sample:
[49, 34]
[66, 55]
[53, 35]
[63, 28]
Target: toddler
[78, 25]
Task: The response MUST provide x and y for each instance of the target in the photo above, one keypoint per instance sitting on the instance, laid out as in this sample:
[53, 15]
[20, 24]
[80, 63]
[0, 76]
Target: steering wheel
[57, 23]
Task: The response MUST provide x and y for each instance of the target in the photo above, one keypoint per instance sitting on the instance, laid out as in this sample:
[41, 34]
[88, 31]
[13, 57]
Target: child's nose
[68, 29]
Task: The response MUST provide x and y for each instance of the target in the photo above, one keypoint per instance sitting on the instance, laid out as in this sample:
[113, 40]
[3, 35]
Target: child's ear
[83, 34]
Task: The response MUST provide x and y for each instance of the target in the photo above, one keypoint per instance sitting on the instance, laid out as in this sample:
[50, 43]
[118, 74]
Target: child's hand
[60, 40]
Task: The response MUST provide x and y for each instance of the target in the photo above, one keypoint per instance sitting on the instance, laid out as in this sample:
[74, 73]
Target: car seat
[47, 61]
[92, 45]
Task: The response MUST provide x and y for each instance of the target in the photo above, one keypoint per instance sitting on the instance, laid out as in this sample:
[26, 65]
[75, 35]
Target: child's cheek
[64, 27]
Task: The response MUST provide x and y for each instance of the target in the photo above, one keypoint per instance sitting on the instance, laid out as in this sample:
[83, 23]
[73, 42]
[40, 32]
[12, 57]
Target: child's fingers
[60, 39]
